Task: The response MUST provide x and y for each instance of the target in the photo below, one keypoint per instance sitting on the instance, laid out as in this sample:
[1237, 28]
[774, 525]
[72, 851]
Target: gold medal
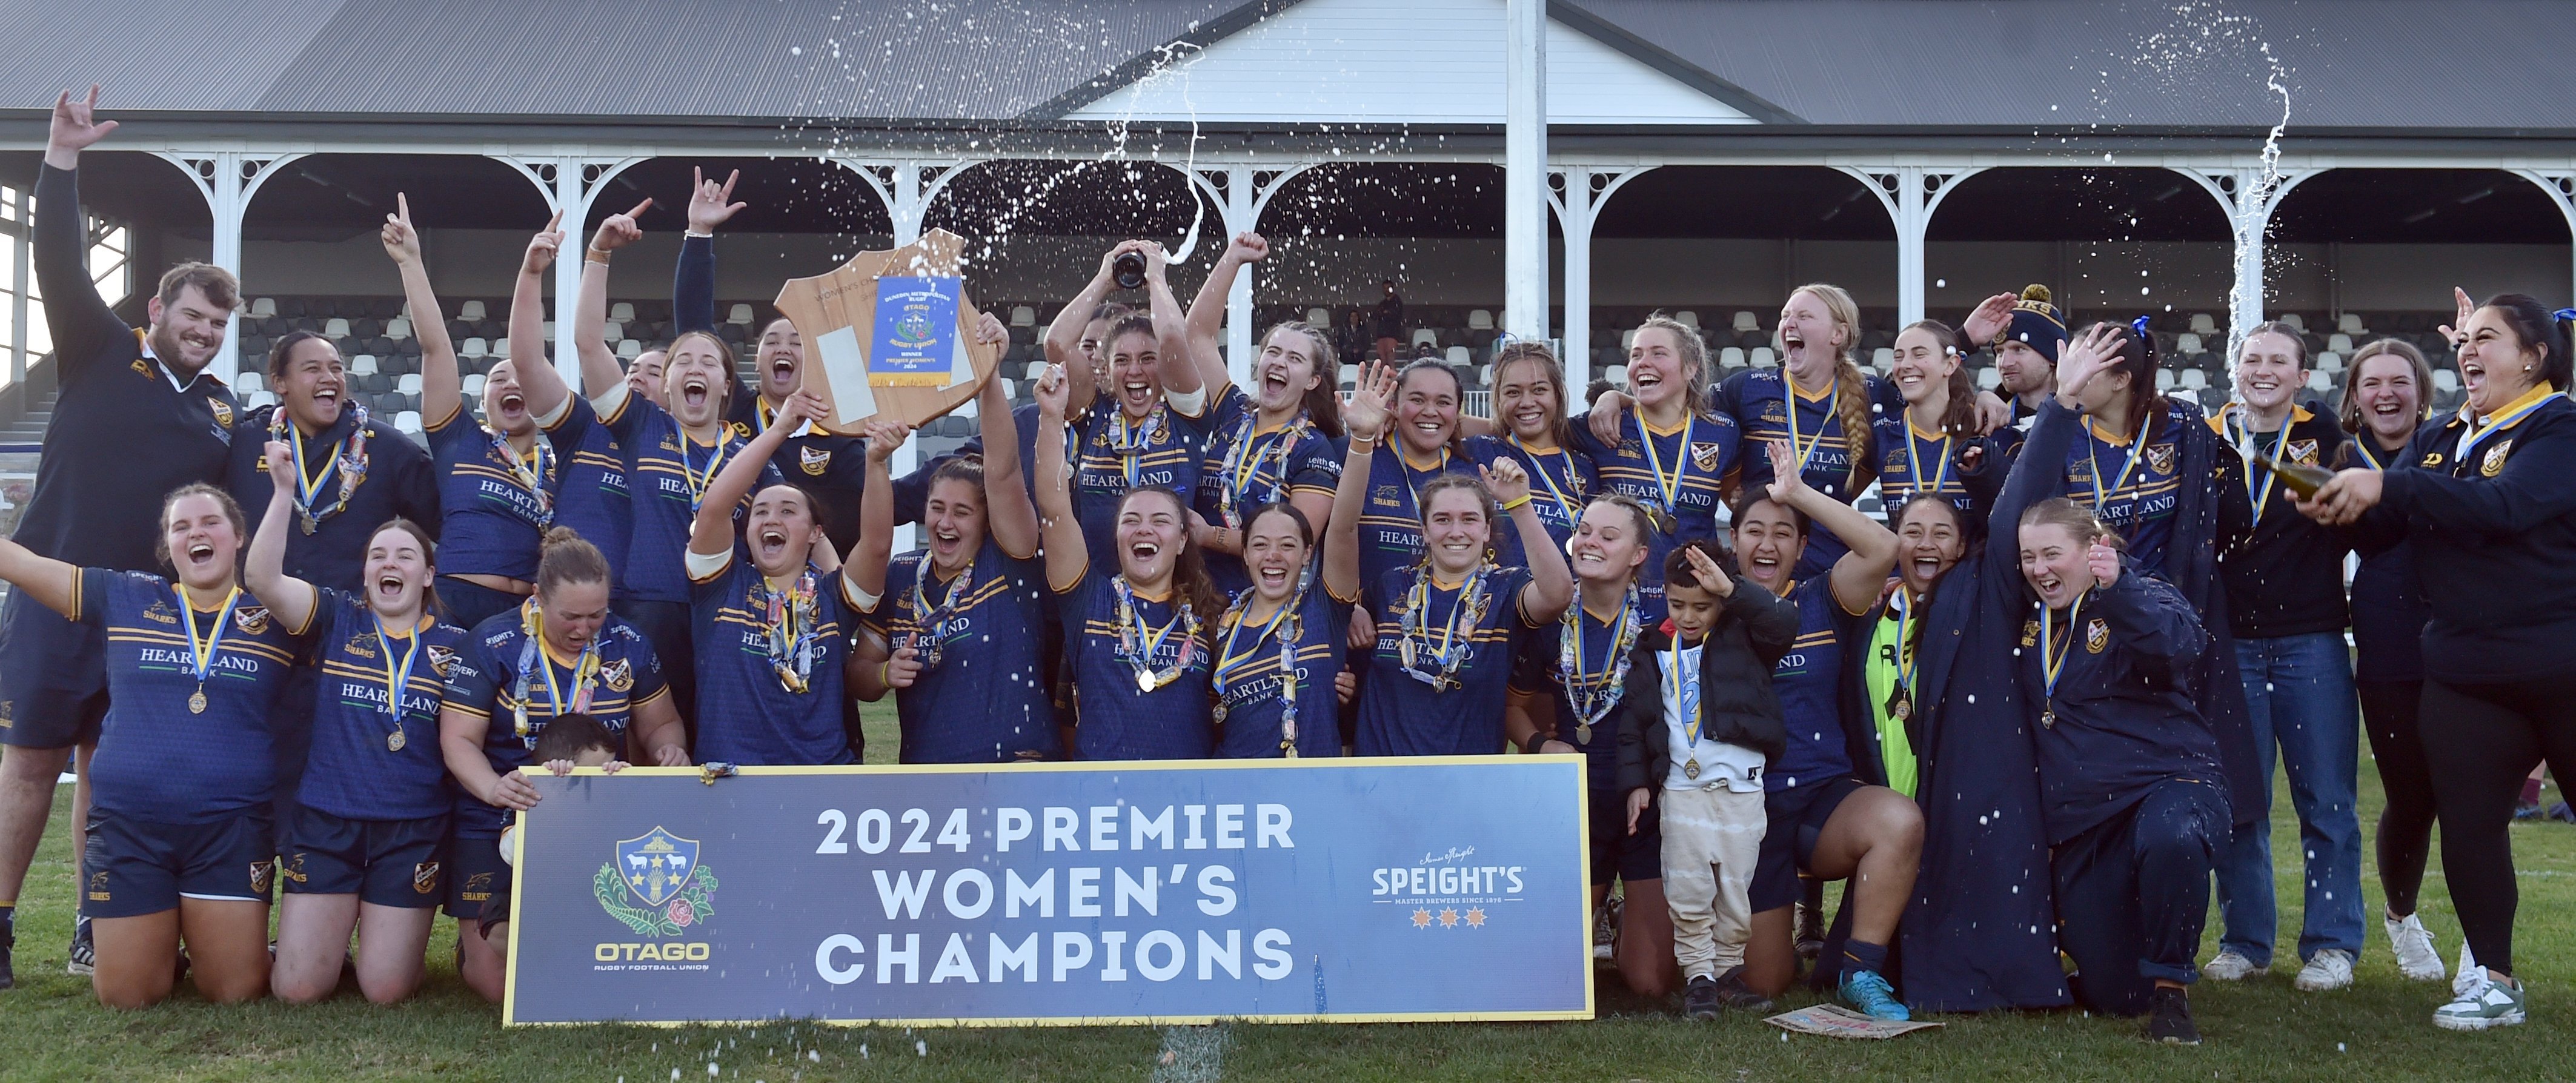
[1216, 714]
[1583, 733]
[2047, 719]
[308, 524]
[395, 741]
[1690, 769]
[1144, 681]
[1287, 748]
[1900, 706]
[197, 700]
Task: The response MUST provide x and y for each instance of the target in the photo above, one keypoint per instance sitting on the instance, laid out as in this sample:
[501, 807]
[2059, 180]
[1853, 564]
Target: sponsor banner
[1318, 890]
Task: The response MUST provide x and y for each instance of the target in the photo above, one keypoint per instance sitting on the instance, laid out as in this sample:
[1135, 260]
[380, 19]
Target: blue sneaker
[1866, 991]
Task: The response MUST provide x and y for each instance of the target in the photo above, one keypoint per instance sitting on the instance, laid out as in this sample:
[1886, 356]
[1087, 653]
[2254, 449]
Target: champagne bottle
[2299, 478]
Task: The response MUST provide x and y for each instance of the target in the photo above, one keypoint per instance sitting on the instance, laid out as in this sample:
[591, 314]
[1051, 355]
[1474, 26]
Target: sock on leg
[1863, 955]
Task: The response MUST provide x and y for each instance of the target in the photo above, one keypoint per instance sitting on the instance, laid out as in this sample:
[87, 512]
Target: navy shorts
[53, 676]
[136, 867]
[1796, 817]
[469, 603]
[385, 862]
[1618, 855]
[478, 881]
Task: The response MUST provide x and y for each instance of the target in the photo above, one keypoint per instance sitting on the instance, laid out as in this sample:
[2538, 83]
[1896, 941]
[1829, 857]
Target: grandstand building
[1703, 158]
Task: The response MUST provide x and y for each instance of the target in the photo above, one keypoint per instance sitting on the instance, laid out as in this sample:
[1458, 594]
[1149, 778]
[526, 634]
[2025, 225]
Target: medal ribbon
[2137, 448]
[396, 678]
[790, 626]
[1685, 692]
[1138, 642]
[1591, 699]
[531, 658]
[928, 620]
[2052, 657]
[2262, 495]
[1228, 658]
[1914, 464]
[1241, 466]
[535, 470]
[700, 482]
[202, 655]
[1833, 402]
[1130, 443]
[350, 459]
[1670, 490]
[1903, 605]
[1564, 502]
[1469, 610]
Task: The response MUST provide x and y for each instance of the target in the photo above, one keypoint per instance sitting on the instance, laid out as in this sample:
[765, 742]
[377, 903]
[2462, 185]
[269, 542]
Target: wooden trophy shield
[890, 335]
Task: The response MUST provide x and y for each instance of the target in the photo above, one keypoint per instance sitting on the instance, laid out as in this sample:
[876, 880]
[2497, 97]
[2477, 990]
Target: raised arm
[52, 582]
[1207, 311]
[80, 320]
[711, 532]
[1860, 574]
[2039, 468]
[543, 387]
[1364, 417]
[264, 572]
[693, 279]
[1064, 335]
[440, 392]
[1171, 341]
[868, 557]
[1008, 513]
[599, 371]
[1551, 586]
[1061, 532]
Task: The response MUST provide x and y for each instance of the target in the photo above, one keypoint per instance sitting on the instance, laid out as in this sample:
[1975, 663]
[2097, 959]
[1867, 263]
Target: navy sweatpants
[2133, 893]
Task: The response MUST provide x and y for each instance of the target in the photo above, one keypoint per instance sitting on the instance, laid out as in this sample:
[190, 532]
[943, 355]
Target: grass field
[51, 1028]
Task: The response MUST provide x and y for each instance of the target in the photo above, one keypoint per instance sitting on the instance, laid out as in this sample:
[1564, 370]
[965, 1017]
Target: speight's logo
[655, 886]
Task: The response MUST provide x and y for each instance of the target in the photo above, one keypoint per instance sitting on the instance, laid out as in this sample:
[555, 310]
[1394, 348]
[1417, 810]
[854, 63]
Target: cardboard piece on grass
[1836, 1021]
[890, 334]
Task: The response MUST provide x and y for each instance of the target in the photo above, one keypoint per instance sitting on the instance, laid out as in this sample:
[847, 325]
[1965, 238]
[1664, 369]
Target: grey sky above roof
[2353, 64]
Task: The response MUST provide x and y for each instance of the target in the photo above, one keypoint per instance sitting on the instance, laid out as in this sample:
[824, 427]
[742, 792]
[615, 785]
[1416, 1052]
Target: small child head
[1691, 604]
[576, 737]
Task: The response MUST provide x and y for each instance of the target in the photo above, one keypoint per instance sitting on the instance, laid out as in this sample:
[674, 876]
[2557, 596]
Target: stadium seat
[2188, 344]
[1627, 339]
[629, 349]
[257, 399]
[362, 365]
[2446, 381]
[2339, 342]
[621, 312]
[2350, 323]
[2202, 324]
[408, 383]
[1989, 379]
[1480, 320]
[1316, 317]
[741, 314]
[1350, 375]
[398, 328]
[1746, 322]
[2192, 397]
[472, 310]
[2319, 380]
[1424, 336]
[247, 382]
[474, 347]
[263, 308]
[1762, 357]
[408, 421]
[2296, 322]
[2194, 379]
[1730, 357]
[335, 327]
[1023, 316]
[473, 385]
[1459, 355]
[1687, 318]
[2164, 380]
[1883, 358]
[1618, 374]
[2329, 361]
[612, 331]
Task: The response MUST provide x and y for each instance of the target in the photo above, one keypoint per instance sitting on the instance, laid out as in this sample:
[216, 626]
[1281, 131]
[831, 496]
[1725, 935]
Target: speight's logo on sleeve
[655, 886]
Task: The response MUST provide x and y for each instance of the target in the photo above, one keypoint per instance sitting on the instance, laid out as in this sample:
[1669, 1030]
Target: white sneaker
[2484, 1004]
[2416, 956]
[2232, 966]
[2330, 969]
[2460, 976]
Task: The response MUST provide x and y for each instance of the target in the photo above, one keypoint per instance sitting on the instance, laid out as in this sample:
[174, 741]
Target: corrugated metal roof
[2483, 65]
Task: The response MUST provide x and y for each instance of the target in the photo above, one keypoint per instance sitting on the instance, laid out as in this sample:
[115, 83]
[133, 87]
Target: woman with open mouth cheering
[1149, 427]
[1271, 444]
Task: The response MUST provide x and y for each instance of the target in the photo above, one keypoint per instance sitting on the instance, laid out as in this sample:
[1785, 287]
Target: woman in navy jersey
[1450, 625]
[363, 848]
[674, 447]
[773, 624]
[1933, 446]
[1581, 669]
[1529, 408]
[1136, 638]
[180, 845]
[1819, 400]
[1663, 445]
[1271, 443]
[952, 628]
[499, 481]
[1278, 648]
[2385, 398]
[1826, 822]
[2488, 501]
[1149, 426]
[1425, 438]
[560, 652]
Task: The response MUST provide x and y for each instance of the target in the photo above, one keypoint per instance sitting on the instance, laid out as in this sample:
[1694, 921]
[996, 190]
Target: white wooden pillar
[2249, 196]
[2561, 186]
[228, 180]
[1909, 194]
[1241, 193]
[1525, 168]
[1576, 197]
[570, 184]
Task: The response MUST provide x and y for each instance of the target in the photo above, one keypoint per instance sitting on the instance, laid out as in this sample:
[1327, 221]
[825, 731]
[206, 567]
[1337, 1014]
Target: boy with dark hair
[1701, 722]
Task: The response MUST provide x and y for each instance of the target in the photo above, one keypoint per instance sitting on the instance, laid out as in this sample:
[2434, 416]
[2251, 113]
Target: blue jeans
[2299, 698]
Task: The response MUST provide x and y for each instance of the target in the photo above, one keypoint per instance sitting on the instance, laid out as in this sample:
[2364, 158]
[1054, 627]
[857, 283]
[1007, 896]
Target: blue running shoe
[1866, 991]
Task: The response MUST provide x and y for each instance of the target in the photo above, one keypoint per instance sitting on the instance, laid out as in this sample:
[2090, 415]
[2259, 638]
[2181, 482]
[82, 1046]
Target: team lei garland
[927, 621]
[585, 673]
[1137, 643]
[788, 621]
[1413, 642]
[1593, 699]
[535, 471]
[350, 461]
[1242, 466]
[1286, 629]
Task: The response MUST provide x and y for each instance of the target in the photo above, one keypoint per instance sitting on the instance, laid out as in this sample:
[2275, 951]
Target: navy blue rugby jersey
[985, 701]
[1391, 516]
[1119, 454]
[1561, 481]
[596, 501]
[618, 675]
[495, 504]
[1401, 715]
[1248, 684]
[1758, 400]
[1808, 680]
[1680, 470]
[356, 490]
[747, 713]
[1542, 672]
[174, 749]
[358, 768]
[668, 470]
[1245, 469]
[1120, 720]
[2140, 487]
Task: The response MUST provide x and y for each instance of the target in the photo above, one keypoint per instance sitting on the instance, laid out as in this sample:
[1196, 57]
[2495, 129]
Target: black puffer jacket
[1754, 628]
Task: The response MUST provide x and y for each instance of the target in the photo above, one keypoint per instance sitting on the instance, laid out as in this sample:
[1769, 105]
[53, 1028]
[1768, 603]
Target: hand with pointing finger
[619, 230]
[401, 241]
[542, 247]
